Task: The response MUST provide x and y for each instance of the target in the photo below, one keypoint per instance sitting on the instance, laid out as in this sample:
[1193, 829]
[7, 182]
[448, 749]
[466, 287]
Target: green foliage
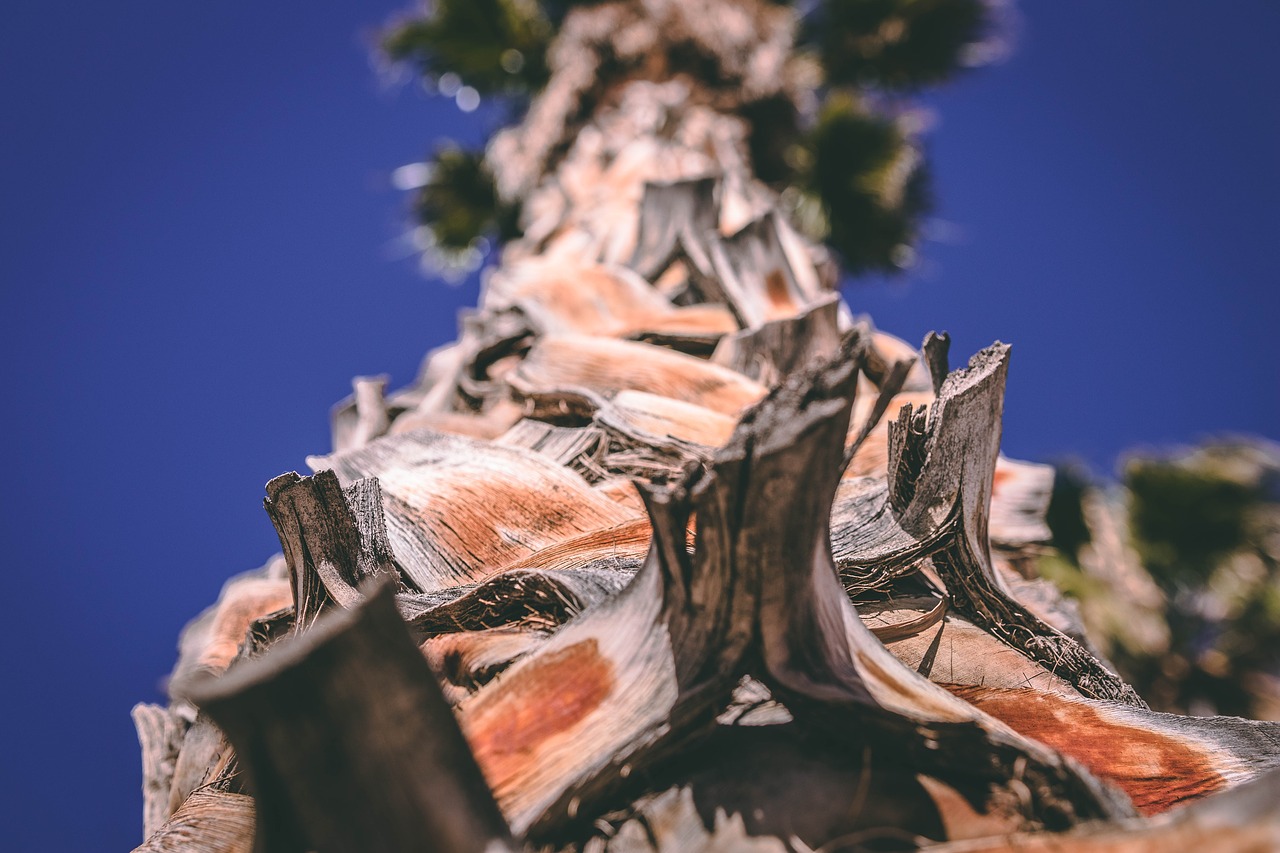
[852, 174]
[1184, 518]
[896, 44]
[870, 178]
[1205, 526]
[557, 9]
[459, 201]
[1065, 515]
[496, 46]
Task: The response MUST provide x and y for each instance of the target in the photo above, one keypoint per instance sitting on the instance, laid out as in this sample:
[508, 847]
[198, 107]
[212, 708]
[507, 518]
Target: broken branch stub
[643, 673]
[334, 539]
[778, 478]
[942, 464]
[349, 745]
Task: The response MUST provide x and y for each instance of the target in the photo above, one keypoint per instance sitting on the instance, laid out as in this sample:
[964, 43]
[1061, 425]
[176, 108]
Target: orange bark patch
[538, 704]
[244, 602]
[1157, 770]
[778, 294]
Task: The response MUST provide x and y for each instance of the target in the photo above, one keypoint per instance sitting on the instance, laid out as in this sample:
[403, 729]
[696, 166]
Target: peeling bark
[669, 552]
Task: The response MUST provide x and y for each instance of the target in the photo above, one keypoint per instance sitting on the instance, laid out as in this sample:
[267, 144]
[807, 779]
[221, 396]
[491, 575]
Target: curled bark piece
[208, 822]
[1158, 760]
[779, 347]
[944, 463]
[160, 733]
[459, 511]
[349, 744]
[363, 416]
[334, 539]
[902, 629]
[669, 210]
[644, 672]
[603, 367]
[752, 272]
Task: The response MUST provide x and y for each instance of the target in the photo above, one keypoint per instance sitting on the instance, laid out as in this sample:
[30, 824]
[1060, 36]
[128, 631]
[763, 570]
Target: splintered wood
[668, 551]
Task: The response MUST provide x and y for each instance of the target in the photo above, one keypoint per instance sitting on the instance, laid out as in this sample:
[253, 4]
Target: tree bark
[668, 551]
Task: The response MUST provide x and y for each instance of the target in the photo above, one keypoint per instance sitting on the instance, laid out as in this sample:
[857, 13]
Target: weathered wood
[1244, 819]
[160, 734]
[207, 822]
[459, 510]
[364, 415]
[936, 348]
[348, 743]
[943, 466]
[646, 671]
[211, 641]
[668, 212]
[1158, 760]
[768, 353]
[803, 627]
[602, 366]
[334, 539]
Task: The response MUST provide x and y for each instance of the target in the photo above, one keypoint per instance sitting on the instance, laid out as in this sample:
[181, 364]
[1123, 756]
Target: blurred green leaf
[871, 179]
[896, 44]
[495, 46]
[459, 202]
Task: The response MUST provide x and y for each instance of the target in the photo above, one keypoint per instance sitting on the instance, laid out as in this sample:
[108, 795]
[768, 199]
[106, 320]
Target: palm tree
[668, 550]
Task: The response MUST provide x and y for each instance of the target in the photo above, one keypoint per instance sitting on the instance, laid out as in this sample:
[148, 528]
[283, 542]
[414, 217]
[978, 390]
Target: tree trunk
[670, 552]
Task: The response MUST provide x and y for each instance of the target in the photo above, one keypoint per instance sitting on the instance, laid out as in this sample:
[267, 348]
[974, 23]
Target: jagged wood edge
[942, 464]
[350, 745]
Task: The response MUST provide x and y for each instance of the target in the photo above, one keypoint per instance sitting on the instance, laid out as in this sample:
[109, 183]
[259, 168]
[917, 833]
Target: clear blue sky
[195, 218]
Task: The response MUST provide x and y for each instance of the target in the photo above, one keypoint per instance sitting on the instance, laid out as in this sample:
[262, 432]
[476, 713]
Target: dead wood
[809, 623]
[334, 540]
[1244, 819]
[207, 822]
[459, 510]
[160, 734]
[943, 461]
[348, 743]
[775, 349]
[659, 661]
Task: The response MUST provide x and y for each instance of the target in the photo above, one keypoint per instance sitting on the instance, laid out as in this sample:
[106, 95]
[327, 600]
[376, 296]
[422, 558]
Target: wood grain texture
[207, 822]
[674, 553]
[349, 744]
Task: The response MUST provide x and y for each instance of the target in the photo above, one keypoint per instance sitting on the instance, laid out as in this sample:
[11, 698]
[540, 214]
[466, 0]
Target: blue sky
[196, 225]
